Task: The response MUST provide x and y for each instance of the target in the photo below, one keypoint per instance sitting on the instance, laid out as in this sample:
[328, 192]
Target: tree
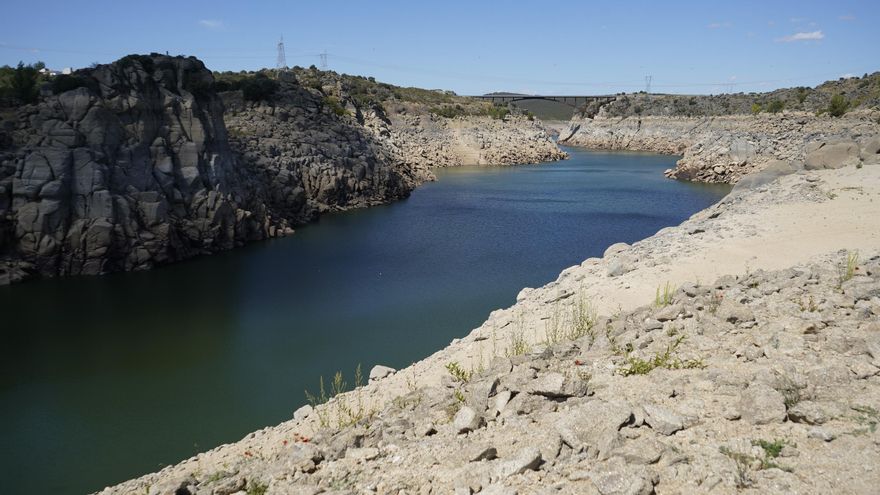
[24, 83]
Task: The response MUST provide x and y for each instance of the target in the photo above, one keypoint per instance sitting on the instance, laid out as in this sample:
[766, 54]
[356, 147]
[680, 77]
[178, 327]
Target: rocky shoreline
[737, 351]
[723, 149]
[143, 162]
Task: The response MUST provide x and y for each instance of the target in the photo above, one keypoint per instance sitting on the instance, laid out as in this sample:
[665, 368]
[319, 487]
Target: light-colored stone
[379, 372]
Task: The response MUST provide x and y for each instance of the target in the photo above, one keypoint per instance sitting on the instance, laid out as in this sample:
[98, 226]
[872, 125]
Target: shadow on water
[110, 377]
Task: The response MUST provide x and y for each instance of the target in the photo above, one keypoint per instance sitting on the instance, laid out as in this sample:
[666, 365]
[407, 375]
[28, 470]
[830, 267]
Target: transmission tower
[282, 60]
[323, 56]
[648, 83]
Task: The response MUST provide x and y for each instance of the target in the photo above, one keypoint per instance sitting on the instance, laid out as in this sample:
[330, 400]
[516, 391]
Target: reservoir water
[107, 378]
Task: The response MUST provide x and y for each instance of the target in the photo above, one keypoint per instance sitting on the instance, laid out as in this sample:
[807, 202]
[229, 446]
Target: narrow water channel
[107, 378]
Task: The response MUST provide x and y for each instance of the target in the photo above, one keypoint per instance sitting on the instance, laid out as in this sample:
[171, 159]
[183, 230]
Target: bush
[335, 106]
[498, 112]
[775, 106]
[260, 87]
[756, 108]
[838, 106]
[448, 111]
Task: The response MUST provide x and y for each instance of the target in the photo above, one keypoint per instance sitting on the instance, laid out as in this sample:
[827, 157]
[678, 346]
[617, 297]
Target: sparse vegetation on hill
[832, 97]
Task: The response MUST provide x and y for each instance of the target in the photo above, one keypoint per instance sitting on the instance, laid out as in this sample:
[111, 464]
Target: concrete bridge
[572, 101]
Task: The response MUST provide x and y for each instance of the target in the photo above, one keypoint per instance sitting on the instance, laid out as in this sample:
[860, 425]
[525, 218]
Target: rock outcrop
[310, 160]
[130, 170]
[135, 168]
[725, 137]
[723, 149]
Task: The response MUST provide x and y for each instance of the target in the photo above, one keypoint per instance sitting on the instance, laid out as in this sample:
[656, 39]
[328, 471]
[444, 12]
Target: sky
[474, 47]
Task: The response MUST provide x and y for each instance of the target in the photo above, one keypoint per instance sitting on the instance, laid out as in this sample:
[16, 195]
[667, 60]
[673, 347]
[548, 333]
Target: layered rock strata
[726, 148]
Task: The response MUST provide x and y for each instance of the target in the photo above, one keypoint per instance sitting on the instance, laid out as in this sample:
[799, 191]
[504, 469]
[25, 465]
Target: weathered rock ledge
[742, 352]
[728, 147]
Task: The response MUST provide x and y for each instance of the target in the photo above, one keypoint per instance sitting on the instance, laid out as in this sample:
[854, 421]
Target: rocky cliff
[131, 166]
[131, 169]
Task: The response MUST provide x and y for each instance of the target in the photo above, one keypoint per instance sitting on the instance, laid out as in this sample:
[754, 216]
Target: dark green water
[111, 377]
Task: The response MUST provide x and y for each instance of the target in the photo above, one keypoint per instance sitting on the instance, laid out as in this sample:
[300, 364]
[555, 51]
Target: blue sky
[472, 47]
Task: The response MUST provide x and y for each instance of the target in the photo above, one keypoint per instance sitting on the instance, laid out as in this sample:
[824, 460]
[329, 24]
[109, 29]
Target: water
[107, 378]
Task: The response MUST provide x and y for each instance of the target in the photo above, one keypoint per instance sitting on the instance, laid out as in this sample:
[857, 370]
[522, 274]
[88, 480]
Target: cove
[107, 378]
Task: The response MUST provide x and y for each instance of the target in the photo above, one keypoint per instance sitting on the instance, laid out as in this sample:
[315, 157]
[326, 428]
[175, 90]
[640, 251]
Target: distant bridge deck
[572, 101]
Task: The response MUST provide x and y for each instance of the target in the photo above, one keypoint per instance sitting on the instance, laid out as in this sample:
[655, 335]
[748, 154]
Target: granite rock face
[130, 170]
[144, 163]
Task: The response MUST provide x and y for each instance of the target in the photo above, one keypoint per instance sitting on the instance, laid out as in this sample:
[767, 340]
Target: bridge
[572, 101]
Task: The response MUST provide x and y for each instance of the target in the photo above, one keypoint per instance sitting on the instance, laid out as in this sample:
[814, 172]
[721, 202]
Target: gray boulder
[870, 153]
[773, 170]
[833, 155]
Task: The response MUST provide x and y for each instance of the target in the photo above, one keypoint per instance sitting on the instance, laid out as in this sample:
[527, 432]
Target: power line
[323, 57]
[282, 59]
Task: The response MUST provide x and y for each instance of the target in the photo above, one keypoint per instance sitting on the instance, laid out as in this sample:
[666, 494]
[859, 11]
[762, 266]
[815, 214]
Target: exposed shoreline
[797, 219]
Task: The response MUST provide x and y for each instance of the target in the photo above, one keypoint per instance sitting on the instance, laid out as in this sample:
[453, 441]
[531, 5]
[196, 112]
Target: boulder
[662, 420]
[559, 386]
[870, 153]
[379, 372]
[832, 155]
[466, 419]
[526, 459]
[772, 170]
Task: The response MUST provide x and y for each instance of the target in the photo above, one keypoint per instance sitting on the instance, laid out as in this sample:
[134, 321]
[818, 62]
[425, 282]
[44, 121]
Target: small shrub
[584, 317]
[666, 360]
[346, 413]
[257, 488]
[847, 269]
[448, 111]
[790, 390]
[518, 345]
[756, 108]
[458, 373]
[498, 112]
[663, 298]
[771, 449]
[715, 301]
[335, 106]
[838, 106]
